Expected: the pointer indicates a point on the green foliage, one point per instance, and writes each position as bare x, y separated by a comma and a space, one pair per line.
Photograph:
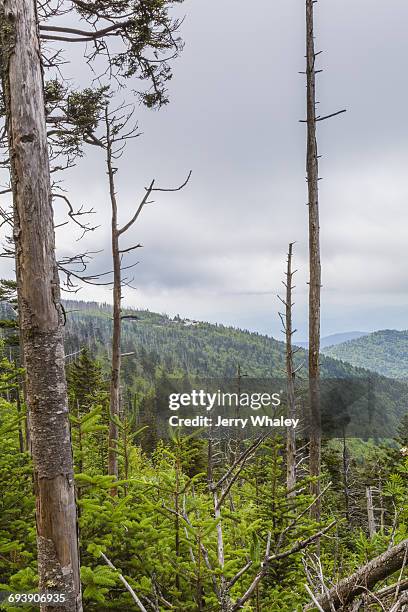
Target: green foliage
8, 312
77, 115
89, 407
97, 583
385, 352
161, 530
166, 350
8, 291
145, 41
17, 527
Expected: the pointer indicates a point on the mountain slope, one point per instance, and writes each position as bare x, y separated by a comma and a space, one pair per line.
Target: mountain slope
196, 347
155, 341
334, 339
385, 352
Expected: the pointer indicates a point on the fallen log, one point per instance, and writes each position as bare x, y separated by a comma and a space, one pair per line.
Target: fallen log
363, 580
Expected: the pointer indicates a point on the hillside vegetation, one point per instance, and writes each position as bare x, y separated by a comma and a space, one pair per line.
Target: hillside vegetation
200, 348
177, 346
334, 339
385, 352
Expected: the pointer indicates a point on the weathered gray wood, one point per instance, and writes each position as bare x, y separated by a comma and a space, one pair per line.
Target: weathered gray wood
40, 313
370, 513
363, 580
117, 297
125, 583
312, 167
290, 376
111, 139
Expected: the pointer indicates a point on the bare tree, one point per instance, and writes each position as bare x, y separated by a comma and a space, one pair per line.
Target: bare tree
40, 312
372, 530
113, 141
288, 330
146, 40
312, 169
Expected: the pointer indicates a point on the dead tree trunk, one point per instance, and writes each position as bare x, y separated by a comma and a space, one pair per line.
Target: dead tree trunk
315, 279
370, 513
363, 580
40, 312
236, 441
223, 591
113, 142
116, 336
290, 377
312, 167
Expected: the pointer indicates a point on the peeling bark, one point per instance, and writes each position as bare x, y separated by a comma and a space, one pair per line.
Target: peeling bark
40, 314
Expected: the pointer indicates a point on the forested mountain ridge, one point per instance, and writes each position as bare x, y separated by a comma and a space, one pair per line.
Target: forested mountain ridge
136, 529
385, 352
116, 493
196, 347
335, 339
155, 341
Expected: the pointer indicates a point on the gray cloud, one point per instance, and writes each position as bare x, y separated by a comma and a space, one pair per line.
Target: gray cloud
217, 249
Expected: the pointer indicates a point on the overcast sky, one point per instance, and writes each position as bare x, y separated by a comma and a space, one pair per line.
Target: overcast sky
217, 250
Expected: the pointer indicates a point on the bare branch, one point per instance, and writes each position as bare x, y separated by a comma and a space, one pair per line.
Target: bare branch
145, 200
243, 457
74, 215
311, 594
175, 188
85, 35
239, 574
365, 577
270, 559
137, 246
125, 583
332, 115
142, 204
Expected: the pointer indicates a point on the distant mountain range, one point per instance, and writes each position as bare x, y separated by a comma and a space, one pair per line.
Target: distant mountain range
335, 339
154, 341
196, 347
385, 352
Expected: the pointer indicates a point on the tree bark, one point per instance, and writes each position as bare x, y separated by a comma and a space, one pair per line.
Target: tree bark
40, 312
365, 578
312, 168
116, 337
